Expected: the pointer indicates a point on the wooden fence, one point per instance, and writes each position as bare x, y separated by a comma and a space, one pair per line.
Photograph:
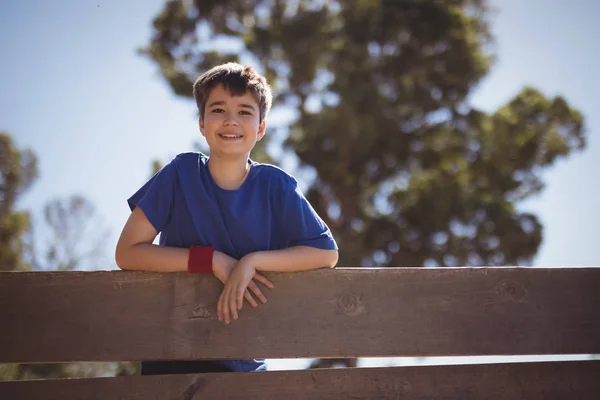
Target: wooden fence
344, 312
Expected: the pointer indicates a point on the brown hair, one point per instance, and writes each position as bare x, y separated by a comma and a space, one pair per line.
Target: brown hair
237, 79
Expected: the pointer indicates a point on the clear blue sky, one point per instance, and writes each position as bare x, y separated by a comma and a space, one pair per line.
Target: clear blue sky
74, 90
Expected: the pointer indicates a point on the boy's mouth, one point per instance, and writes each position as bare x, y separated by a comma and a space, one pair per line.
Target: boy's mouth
230, 136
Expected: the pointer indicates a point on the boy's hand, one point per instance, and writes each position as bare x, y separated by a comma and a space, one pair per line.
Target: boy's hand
236, 289
223, 265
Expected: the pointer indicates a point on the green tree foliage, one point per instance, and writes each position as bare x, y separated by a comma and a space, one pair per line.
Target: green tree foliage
18, 171
407, 171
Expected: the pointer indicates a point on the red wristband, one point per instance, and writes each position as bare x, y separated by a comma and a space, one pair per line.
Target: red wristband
200, 259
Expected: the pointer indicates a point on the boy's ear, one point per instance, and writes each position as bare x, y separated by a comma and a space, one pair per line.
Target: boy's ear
261, 129
201, 124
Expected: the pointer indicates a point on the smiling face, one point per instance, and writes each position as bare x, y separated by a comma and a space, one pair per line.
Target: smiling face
231, 124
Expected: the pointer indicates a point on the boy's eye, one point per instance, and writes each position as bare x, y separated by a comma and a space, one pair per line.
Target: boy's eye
217, 110
243, 112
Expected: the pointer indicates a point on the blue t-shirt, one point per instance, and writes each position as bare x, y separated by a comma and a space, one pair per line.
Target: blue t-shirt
268, 212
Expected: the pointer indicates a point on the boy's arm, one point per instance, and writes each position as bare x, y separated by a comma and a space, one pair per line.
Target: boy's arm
293, 259
135, 250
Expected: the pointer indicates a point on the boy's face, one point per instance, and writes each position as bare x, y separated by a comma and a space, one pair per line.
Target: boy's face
231, 124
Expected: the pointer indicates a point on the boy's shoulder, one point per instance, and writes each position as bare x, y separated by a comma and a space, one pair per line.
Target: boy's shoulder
274, 175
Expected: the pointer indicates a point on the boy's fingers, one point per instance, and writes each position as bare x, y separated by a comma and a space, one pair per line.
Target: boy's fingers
255, 289
225, 306
231, 303
250, 299
240, 297
220, 307
263, 279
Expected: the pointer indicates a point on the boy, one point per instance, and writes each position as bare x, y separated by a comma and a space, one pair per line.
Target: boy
225, 214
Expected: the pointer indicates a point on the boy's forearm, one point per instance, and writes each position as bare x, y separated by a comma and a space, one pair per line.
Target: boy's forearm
293, 259
151, 257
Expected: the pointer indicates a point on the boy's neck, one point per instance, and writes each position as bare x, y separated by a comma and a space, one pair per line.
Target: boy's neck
228, 173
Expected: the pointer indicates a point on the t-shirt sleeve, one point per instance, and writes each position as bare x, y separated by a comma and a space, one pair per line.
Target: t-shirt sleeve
155, 198
300, 224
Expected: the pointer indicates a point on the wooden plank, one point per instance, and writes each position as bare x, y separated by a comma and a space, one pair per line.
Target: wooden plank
117, 315
531, 381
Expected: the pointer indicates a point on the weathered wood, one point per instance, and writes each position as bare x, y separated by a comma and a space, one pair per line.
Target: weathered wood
530, 381
116, 315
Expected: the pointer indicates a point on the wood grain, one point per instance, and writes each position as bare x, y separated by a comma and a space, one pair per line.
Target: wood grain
530, 381
129, 316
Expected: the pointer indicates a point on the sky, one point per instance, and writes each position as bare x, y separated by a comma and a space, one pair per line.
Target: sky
96, 113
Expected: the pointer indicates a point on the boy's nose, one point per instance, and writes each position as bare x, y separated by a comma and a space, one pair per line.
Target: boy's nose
231, 119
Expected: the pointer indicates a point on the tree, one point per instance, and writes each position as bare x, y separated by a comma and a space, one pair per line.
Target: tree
18, 171
407, 172
76, 235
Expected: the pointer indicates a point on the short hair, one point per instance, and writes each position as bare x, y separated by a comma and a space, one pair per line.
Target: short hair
237, 79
